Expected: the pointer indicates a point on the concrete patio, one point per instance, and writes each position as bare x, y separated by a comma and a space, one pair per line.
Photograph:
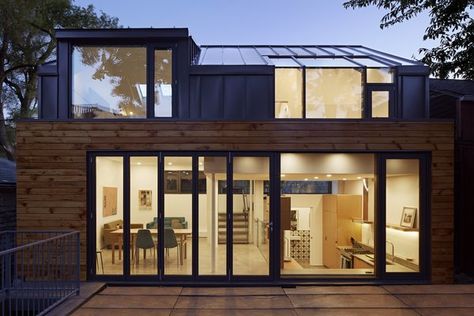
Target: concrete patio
303, 300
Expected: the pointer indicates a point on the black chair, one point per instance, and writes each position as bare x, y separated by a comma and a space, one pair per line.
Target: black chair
170, 242
144, 241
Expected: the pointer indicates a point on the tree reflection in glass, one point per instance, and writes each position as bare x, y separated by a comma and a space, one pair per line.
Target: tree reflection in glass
109, 82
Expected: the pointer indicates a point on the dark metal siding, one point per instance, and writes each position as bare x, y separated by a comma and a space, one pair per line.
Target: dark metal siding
414, 97
231, 97
48, 97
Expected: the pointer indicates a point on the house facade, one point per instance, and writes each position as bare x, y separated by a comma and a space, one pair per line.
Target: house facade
266, 164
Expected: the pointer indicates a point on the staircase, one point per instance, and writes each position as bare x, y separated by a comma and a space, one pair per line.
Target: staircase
241, 228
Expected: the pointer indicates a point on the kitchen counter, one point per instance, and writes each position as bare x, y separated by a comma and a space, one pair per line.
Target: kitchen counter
390, 267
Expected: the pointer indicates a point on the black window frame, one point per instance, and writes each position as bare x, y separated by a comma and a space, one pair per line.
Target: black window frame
150, 48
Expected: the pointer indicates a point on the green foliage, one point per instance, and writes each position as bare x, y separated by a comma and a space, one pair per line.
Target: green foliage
27, 41
451, 24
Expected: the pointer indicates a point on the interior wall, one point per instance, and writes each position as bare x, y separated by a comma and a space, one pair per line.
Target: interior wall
108, 174
402, 191
314, 201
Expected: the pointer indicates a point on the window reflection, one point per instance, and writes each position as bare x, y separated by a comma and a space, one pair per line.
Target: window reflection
333, 93
163, 83
379, 75
288, 93
380, 103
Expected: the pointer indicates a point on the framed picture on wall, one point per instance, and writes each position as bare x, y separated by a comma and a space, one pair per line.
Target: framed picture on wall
408, 217
109, 201
144, 200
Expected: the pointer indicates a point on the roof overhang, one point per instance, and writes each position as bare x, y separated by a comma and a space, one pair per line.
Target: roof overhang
121, 33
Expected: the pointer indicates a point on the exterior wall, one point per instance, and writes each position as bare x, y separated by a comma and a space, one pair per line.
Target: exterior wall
51, 161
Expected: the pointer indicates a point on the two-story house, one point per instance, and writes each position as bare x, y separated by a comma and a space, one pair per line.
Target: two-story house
255, 164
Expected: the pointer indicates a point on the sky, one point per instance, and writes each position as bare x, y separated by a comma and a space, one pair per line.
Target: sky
272, 22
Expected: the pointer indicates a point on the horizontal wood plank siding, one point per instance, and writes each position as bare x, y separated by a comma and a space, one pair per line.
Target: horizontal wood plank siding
51, 161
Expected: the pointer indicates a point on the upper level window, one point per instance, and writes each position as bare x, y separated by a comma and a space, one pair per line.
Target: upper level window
333, 93
108, 82
333, 88
288, 93
111, 82
163, 83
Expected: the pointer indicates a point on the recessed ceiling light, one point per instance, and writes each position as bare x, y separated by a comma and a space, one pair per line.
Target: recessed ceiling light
344, 179
316, 177
131, 113
305, 179
359, 178
329, 175
283, 175
170, 163
200, 163
139, 163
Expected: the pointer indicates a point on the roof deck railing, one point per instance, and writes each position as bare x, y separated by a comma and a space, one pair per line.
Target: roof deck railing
38, 270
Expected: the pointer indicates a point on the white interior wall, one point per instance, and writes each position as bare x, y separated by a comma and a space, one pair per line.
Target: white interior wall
402, 191
108, 174
315, 202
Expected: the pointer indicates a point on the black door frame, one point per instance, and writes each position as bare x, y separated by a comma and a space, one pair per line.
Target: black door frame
274, 276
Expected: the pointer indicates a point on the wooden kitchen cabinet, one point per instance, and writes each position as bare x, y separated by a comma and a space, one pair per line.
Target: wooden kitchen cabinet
361, 264
338, 227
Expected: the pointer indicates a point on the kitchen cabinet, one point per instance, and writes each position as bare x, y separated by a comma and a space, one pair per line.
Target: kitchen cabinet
338, 226
361, 264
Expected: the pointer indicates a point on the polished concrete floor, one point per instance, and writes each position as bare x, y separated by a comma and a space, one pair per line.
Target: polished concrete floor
248, 260
302, 300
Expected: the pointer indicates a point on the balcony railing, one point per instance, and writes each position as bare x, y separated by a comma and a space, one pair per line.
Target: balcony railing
38, 270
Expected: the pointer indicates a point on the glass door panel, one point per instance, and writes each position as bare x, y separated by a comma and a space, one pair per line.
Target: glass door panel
403, 213
178, 205
212, 206
143, 215
251, 216
109, 215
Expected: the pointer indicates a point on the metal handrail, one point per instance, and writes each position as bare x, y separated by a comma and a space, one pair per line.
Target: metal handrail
38, 271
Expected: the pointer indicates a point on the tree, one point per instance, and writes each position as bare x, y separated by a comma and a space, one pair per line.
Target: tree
27, 40
450, 24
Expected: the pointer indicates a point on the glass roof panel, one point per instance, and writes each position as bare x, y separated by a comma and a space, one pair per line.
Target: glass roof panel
300, 51
231, 56
282, 51
284, 62
403, 61
318, 52
251, 56
265, 51
370, 62
335, 51
213, 56
326, 62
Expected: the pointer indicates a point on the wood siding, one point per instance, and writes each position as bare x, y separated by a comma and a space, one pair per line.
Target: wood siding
51, 161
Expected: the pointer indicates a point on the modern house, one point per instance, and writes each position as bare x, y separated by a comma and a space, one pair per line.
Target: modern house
454, 99
255, 164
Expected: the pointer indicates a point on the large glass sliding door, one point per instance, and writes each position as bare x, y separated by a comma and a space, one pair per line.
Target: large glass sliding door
251, 216
167, 216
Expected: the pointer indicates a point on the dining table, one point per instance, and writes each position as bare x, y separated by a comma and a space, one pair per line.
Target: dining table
181, 235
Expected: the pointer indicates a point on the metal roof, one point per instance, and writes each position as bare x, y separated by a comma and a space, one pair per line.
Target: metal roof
299, 56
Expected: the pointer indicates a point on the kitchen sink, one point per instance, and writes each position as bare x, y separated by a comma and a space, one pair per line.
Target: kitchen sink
372, 259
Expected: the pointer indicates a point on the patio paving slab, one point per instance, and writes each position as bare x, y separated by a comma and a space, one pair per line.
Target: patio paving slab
233, 312
336, 290
356, 312
234, 302
353, 301
122, 312
142, 290
438, 300
232, 291
131, 301
430, 289
445, 311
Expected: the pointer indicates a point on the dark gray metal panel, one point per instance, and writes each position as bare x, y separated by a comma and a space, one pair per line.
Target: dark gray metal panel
194, 97
63, 79
121, 33
48, 98
260, 97
235, 91
182, 78
413, 97
212, 97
